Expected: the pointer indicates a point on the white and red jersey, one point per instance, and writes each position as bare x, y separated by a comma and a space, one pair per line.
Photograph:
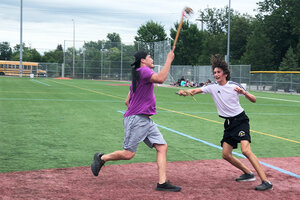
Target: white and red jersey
225, 98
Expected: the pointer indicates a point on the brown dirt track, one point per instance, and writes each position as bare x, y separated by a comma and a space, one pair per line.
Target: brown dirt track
203, 179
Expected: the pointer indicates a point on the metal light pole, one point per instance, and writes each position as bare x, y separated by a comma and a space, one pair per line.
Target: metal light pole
121, 61
21, 39
228, 39
64, 64
202, 20
73, 48
83, 65
102, 46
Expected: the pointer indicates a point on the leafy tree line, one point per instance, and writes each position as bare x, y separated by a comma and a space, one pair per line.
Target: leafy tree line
268, 41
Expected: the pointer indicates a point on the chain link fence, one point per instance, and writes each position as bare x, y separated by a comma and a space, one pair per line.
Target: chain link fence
201, 74
112, 61
53, 69
278, 81
107, 60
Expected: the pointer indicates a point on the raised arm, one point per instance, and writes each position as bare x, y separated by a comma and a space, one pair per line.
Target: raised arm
190, 92
163, 74
249, 96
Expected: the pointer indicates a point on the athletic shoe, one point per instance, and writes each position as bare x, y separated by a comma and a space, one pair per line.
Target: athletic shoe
97, 164
167, 186
265, 185
246, 177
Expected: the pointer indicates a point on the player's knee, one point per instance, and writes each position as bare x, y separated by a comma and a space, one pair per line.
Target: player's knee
246, 152
226, 156
128, 155
165, 147
161, 147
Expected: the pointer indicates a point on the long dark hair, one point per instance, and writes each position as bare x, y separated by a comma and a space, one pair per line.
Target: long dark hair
218, 61
137, 63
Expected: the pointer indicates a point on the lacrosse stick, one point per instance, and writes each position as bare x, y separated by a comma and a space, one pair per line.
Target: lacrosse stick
186, 11
187, 93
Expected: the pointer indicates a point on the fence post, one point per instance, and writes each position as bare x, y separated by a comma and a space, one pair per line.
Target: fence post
121, 74
64, 64
275, 82
83, 65
102, 46
291, 82
240, 74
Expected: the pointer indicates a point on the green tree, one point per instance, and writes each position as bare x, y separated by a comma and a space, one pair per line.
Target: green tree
212, 44
298, 52
189, 44
259, 51
151, 32
216, 20
289, 62
281, 24
215, 39
147, 34
240, 30
5, 51
114, 40
29, 54
55, 56
105, 56
113, 61
94, 54
113, 37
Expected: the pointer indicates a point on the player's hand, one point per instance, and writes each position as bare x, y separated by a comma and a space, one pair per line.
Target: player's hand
170, 56
180, 93
184, 93
240, 90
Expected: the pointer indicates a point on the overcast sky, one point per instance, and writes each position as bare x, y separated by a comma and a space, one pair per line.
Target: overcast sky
47, 23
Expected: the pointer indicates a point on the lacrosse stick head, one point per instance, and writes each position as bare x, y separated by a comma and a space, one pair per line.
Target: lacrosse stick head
187, 11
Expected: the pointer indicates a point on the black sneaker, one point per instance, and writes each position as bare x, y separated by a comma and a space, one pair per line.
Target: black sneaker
97, 164
246, 177
265, 185
167, 186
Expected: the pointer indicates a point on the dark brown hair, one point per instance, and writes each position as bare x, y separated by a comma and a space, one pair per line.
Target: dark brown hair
217, 61
137, 63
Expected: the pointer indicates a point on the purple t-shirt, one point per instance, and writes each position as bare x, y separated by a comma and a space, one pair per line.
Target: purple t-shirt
142, 101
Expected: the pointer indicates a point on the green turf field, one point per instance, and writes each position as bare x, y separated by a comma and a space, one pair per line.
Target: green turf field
49, 123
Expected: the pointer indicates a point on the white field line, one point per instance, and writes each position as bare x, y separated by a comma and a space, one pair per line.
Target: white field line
40, 82
295, 101
72, 100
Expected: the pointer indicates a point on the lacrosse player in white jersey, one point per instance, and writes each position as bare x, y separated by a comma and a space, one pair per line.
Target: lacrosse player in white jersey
225, 94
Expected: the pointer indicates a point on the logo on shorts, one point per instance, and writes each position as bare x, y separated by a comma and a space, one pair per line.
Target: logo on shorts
241, 134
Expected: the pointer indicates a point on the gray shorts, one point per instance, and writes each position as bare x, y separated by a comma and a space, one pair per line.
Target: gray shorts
140, 128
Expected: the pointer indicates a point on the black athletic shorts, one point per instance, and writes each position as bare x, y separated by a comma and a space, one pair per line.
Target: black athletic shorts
237, 128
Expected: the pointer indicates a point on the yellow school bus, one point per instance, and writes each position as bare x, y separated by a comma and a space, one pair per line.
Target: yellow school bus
12, 68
